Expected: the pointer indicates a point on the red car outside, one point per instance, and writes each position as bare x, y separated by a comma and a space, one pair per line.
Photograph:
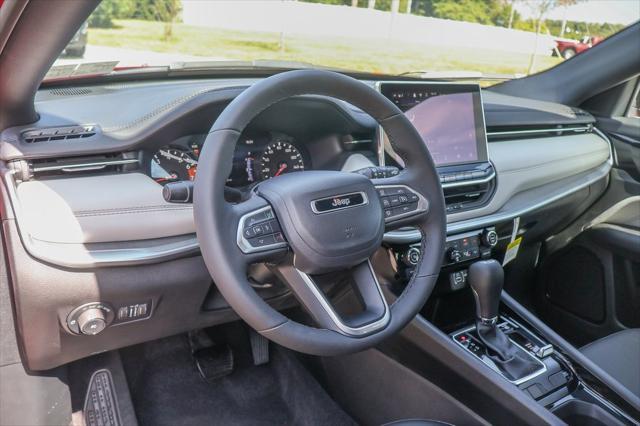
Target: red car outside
569, 48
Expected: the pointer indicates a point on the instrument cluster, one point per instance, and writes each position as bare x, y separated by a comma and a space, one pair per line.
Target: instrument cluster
257, 157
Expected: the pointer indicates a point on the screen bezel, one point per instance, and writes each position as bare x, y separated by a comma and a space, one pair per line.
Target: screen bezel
482, 145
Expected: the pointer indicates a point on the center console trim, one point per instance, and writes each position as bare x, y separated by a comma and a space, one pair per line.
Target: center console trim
492, 366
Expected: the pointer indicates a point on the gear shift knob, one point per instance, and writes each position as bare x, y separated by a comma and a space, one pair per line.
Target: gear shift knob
486, 278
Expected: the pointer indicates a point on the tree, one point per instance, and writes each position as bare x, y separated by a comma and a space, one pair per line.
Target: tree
167, 11
540, 9
488, 12
104, 14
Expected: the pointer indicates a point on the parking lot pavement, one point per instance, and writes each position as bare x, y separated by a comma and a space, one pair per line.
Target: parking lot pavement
129, 57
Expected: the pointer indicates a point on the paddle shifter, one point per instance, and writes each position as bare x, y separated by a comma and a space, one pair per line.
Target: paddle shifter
486, 278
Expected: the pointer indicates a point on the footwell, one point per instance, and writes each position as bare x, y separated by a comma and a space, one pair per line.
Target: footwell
167, 389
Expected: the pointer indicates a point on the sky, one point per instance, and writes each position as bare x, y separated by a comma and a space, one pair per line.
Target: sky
601, 11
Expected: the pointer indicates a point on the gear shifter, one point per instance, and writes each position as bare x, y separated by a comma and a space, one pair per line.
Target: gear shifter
486, 278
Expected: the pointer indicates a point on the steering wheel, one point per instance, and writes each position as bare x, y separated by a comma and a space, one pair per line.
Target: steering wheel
318, 222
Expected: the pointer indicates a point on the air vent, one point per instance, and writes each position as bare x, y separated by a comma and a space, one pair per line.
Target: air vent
117, 162
71, 91
60, 133
461, 198
528, 132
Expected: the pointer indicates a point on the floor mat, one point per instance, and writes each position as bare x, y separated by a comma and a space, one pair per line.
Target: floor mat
167, 390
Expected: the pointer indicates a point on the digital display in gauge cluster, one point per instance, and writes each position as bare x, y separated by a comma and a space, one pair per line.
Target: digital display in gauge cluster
256, 158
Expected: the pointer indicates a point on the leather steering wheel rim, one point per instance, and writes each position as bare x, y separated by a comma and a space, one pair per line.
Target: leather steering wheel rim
217, 220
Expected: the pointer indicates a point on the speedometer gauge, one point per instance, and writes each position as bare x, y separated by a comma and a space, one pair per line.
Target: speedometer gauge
280, 157
173, 164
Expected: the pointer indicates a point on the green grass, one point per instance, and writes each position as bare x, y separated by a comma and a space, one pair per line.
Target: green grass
369, 55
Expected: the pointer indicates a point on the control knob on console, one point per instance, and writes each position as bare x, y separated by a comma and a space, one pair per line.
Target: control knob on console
92, 321
489, 237
454, 255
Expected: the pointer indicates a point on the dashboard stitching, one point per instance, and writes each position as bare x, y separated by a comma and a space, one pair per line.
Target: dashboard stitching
119, 212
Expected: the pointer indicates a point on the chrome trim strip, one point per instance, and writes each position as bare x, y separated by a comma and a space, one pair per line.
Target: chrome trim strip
84, 166
606, 403
365, 201
540, 131
489, 321
244, 244
612, 154
469, 182
335, 318
492, 366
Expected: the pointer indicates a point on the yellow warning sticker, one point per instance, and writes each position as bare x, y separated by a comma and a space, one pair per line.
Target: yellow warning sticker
512, 250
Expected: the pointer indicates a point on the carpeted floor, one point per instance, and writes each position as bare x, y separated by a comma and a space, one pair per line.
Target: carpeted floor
167, 390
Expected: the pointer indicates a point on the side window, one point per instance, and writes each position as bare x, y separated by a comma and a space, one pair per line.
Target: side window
634, 107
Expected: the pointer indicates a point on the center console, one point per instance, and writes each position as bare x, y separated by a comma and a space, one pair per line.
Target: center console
502, 342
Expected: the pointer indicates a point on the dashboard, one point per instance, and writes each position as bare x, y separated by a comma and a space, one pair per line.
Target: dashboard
258, 156
86, 186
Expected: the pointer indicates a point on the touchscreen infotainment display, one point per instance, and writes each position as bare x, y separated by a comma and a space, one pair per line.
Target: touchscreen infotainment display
448, 116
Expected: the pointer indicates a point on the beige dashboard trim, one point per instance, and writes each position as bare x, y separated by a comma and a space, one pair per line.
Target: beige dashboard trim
88, 255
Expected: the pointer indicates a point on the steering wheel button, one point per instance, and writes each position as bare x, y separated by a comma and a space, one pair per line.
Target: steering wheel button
267, 228
278, 237
399, 191
403, 199
383, 192
275, 226
262, 241
388, 213
413, 198
394, 200
406, 208
259, 217
385, 202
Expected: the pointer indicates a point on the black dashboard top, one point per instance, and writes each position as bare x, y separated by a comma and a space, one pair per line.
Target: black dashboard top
153, 114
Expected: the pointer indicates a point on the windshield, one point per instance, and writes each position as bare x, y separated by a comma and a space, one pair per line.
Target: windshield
473, 39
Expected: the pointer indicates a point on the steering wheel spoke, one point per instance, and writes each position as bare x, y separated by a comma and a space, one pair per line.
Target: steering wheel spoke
374, 316
259, 235
402, 205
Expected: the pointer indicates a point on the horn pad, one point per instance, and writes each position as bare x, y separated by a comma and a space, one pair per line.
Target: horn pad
332, 220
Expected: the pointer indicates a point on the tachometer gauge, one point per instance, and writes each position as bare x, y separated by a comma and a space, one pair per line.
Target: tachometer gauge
173, 164
280, 157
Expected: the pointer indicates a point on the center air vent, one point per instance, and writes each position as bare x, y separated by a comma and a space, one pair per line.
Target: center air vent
468, 197
60, 133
